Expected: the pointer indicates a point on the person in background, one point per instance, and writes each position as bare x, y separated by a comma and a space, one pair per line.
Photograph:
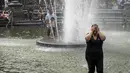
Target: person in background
94, 52
41, 13
30, 13
53, 25
48, 21
25, 14
122, 4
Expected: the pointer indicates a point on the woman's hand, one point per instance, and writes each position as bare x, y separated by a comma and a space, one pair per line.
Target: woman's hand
89, 35
101, 35
92, 29
98, 30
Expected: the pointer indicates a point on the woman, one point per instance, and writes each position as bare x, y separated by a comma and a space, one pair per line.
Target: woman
94, 51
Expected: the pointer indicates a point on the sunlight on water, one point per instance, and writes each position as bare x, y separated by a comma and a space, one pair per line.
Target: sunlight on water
16, 42
52, 49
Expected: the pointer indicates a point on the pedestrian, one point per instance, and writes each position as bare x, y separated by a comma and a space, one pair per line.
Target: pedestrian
53, 25
30, 11
41, 13
25, 14
94, 51
48, 21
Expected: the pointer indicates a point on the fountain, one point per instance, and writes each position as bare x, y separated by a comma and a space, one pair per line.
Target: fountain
76, 19
6, 3
15, 7
15, 3
78, 16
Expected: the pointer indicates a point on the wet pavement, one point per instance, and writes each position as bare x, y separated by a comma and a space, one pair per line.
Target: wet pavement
20, 54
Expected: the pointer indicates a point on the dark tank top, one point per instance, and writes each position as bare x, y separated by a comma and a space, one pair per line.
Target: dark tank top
94, 48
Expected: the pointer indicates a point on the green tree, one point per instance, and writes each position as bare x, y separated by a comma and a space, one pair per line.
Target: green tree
113, 1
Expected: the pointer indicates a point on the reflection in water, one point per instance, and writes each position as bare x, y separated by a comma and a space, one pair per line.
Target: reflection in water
22, 32
19, 54
16, 42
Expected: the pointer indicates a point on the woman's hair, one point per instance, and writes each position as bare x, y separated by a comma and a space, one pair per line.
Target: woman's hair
94, 25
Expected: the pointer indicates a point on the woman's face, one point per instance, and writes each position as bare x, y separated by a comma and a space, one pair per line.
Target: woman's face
95, 29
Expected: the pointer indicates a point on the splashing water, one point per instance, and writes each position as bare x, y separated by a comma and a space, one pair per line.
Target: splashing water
77, 19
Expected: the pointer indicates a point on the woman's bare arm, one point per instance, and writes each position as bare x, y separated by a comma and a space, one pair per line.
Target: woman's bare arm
88, 36
102, 36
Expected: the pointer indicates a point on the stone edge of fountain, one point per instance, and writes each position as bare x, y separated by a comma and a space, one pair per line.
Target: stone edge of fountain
59, 45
